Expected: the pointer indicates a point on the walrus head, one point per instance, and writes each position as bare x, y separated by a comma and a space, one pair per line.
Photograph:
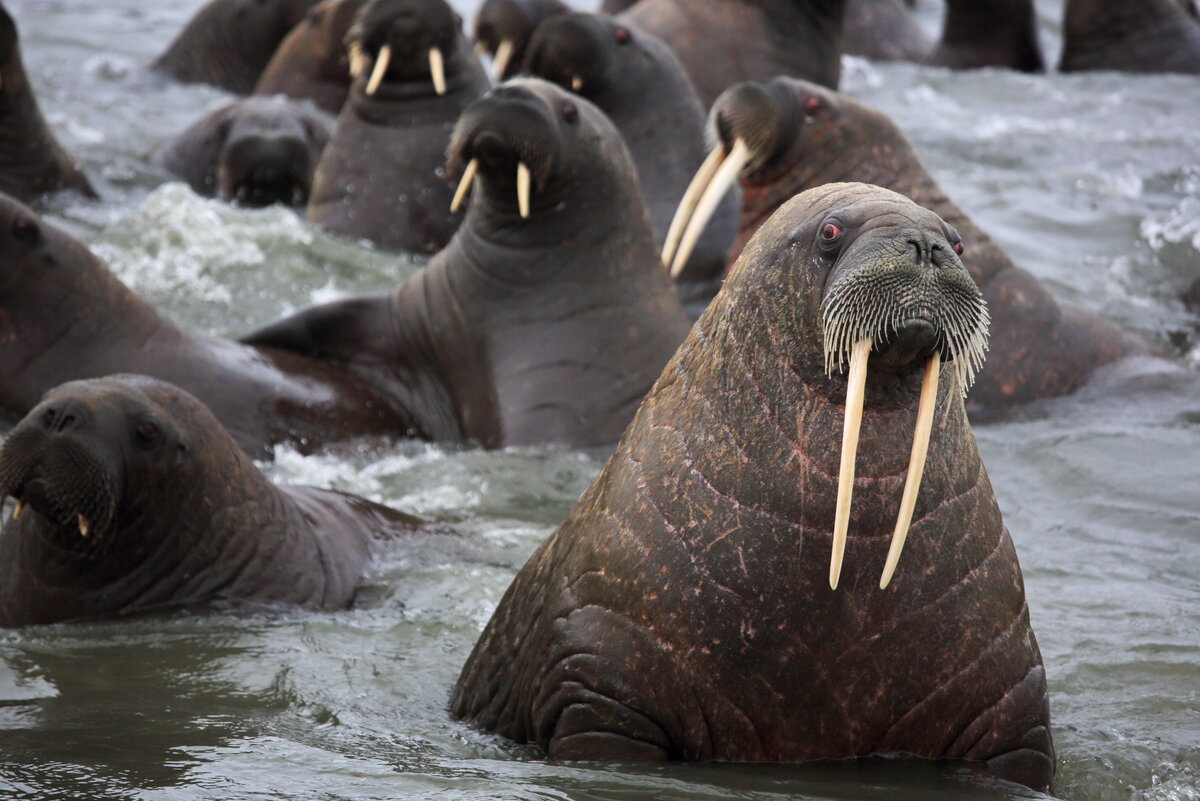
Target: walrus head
580, 52
532, 144
404, 47
503, 29
269, 153
886, 295
83, 462
765, 133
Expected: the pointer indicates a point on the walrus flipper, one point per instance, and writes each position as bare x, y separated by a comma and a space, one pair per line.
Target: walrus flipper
343, 331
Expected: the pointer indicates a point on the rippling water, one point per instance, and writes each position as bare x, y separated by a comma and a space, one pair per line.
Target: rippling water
1092, 182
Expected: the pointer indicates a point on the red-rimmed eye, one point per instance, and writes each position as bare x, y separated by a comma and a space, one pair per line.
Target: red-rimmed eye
813, 105
830, 231
622, 35
570, 111
24, 229
958, 248
147, 432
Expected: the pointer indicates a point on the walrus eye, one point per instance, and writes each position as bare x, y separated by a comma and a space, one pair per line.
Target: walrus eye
147, 432
813, 105
570, 111
958, 247
24, 229
622, 36
830, 231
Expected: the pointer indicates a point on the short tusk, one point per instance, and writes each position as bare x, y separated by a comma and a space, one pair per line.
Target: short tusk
500, 61
84, 526
916, 466
20, 507
381, 66
724, 178
576, 83
523, 181
856, 386
357, 61
688, 204
437, 68
480, 48
464, 185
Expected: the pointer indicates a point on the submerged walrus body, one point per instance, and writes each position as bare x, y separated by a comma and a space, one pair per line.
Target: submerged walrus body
130, 496
784, 136
684, 609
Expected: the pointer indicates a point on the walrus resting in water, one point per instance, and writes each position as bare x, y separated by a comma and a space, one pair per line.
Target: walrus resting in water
131, 496
548, 315
684, 609
32, 162
784, 136
312, 62
256, 152
1131, 36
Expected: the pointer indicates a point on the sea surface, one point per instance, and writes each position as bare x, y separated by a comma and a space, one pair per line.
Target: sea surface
1090, 181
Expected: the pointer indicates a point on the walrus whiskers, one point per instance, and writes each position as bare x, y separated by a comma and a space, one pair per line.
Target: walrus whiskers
437, 68
464, 185
523, 186
687, 205
503, 55
381, 66
856, 387
723, 179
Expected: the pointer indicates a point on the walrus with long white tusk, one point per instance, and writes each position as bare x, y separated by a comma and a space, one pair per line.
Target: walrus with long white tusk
312, 62
684, 610
381, 177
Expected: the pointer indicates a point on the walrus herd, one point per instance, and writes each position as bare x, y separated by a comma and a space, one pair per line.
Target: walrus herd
793, 553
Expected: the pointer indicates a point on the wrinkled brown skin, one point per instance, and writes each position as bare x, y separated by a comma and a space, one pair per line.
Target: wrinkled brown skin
1128, 36
256, 143
1039, 348
989, 33
195, 520
521, 331
32, 163
64, 316
683, 609
514, 21
722, 42
228, 43
311, 63
883, 30
637, 81
382, 176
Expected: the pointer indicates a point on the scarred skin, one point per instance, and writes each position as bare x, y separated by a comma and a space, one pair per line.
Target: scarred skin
229, 42
513, 21
311, 62
636, 80
1145, 36
259, 151
1039, 348
683, 609
520, 331
722, 42
176, 513
382, 176
32, 162
64, 316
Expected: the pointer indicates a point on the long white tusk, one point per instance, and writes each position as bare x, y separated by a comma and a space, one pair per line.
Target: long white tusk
20, 507
523, 189
381, 65
916, 466
688, 204
500, 61
724, 178
856, 386
437, 68
464, 185
84, 526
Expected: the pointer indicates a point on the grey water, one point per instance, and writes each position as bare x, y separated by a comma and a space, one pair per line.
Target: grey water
1092, 182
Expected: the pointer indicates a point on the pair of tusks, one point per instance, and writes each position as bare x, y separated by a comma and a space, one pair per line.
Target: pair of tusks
84, 525
437, 68
855, 391
703, 195
524, 187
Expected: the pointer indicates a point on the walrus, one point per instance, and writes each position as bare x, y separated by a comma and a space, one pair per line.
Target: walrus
64, 316
312, 62
229, 42
695, 604
784, 136
636, 80
722, 42
503, 28
1145, 36
32, 163
548, 315
381, 176
256, 152
883, 30
131, 496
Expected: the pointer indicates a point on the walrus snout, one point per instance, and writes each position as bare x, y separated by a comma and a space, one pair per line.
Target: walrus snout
263, 169
404, 41
570, 50
504, 27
